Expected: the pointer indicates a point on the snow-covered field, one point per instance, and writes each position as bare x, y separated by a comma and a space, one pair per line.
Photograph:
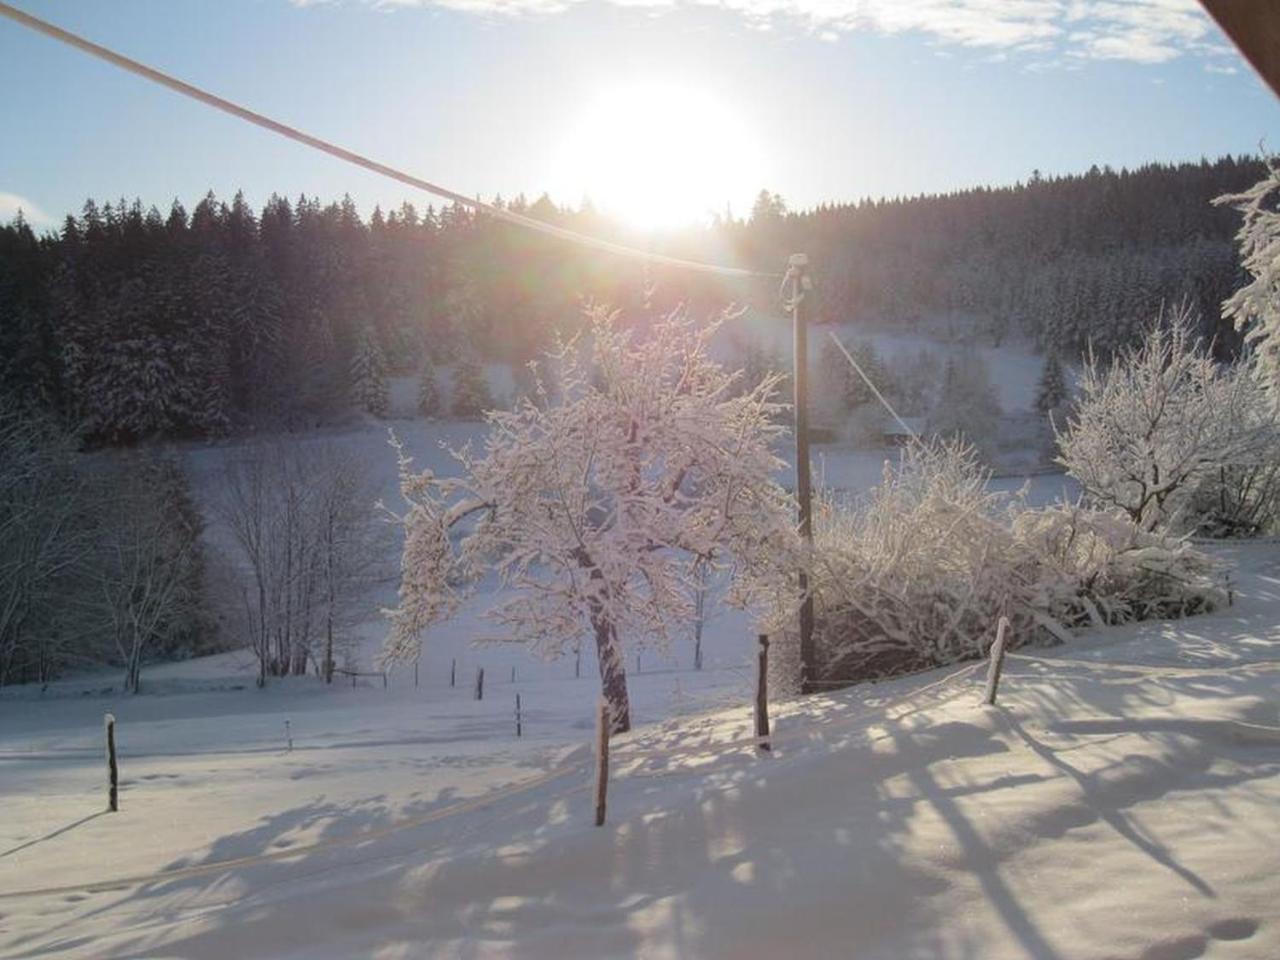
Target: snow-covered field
1122, 801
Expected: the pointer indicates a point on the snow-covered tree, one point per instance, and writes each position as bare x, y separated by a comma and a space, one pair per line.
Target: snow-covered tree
471, 396
1152, 425
369, 375
1255, 307
967, 405
835, 382
1241, 498
598, 510
1051, 390
913, 382
840, 388
428, 391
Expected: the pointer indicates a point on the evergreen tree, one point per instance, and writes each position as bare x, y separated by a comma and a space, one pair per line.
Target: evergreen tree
428, 392
864, 352
369, 375
471, 396
1051, 392
236, 316
835, 381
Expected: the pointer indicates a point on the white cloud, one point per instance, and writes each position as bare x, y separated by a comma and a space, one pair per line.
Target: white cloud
11, 203
1138, 31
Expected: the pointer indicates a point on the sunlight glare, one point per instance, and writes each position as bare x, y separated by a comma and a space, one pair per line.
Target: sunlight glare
660, 155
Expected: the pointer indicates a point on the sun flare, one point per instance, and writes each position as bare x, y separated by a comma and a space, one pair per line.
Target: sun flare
660, 155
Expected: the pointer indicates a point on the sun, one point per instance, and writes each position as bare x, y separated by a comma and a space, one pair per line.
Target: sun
659, 155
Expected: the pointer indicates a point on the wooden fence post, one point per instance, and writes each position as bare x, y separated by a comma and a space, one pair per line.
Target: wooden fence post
415, 673
453, 673
519, 727
996, 664
577, 662
480, 683
762, 691
288, 737
602, 759
113, 772
513, 674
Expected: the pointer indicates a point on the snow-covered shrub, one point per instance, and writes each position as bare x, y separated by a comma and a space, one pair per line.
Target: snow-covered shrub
917, 573
599, 511
913, 575
1152, 426
1097, 568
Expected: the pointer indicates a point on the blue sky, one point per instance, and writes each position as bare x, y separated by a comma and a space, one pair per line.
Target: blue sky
819, 100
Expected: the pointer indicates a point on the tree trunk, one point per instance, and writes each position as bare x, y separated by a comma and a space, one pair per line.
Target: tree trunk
613, 675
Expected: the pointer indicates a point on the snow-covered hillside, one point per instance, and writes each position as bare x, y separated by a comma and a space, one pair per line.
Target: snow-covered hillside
1122, 801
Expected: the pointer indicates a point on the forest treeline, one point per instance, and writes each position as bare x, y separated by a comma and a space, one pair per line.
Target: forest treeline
130, 323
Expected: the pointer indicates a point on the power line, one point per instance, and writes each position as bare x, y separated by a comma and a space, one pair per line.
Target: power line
350, 156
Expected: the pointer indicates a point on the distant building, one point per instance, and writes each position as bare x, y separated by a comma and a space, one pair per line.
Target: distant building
895, 434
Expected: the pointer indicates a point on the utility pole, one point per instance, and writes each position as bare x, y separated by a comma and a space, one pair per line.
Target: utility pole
800, 285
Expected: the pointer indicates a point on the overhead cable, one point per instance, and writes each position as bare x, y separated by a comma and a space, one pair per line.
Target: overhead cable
350, 156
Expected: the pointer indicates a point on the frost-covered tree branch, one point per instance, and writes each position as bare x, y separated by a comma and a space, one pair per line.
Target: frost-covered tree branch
1255, 307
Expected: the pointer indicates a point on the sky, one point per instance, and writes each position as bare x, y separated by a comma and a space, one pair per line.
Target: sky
657, 110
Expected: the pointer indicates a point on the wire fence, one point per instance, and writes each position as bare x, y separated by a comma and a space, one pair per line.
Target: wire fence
631, 756
626, 753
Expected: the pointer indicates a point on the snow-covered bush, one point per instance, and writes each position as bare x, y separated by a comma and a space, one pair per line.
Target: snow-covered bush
917, 573
1096, 568
913, 575
1152, 426
600, 510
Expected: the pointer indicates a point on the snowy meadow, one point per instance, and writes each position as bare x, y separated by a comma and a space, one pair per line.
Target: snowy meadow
397, 814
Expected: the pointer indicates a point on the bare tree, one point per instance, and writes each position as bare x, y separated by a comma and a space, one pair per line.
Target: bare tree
303, 521
145, 571
45, 537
